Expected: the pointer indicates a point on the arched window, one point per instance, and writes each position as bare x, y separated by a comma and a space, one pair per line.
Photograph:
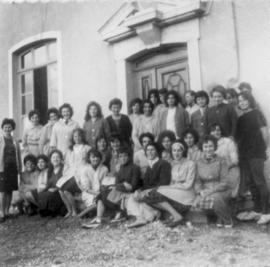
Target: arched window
37, 80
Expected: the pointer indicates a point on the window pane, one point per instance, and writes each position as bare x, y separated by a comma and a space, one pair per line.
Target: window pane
27, 103
23, 84
26, 60
28, 82
41, 55
23, 105
52, 85
52, 51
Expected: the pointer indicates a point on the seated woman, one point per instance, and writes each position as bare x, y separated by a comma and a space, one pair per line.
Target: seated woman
157, 173
165, 140
139, 157
75, 159
127, 181
115, 144
191, 138
103, 147
147, 123
227, 149
177, 197
212, 184
49, 200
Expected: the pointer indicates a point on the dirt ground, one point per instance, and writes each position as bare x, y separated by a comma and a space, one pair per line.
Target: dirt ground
35, 241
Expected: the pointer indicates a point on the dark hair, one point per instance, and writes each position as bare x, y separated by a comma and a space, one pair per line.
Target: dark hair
202, 94
193, 132
155, 93
147, 134
115, 136
99, 138
214, 126
30, 157
134, 102
52, 110
115, 101
243, 85
87, 116
50, 168
147, 101
43, 157
209, 138
68, 106
232, 92
32, 113
80, 131
191, 92
10, 122
182, 142
249, 97
93, 152
166, 133
176, 97
220, 89
125, 150
163, 91
156, 146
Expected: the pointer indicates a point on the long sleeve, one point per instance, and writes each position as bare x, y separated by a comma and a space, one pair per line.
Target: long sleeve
53, 141
198, 182
233, 153
136, 133
189, 179
165, 174
223, 174
233, 118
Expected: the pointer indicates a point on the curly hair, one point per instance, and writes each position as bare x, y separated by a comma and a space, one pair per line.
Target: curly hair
32, 113
134, 102
80, 131
10, 122
219, 89
87, 116
68, 106
193, 132
183, 144
176, 96
202, 94
115, 101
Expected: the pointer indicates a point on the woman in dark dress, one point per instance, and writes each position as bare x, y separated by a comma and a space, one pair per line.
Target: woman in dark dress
49, 200
252, 139
10, 166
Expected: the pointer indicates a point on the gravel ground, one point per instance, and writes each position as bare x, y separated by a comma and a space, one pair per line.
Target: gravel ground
57, 242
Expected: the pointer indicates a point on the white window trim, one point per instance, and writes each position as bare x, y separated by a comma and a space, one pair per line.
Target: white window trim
11, 68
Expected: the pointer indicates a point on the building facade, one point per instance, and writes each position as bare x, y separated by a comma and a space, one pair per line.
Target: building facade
76, 52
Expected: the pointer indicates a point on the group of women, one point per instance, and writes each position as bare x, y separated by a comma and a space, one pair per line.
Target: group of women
166, 157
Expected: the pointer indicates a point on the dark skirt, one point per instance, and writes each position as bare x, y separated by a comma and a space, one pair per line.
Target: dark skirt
9, 178
104, 197
50, 203
154, 197
71, 186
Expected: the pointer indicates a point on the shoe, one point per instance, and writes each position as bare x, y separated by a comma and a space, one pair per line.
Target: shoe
265, 218
91, 225
219, 223
228, 225
173, 224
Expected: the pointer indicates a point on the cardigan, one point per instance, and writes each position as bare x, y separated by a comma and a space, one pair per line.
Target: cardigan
181, 120
198, 122
124, 129
159, 174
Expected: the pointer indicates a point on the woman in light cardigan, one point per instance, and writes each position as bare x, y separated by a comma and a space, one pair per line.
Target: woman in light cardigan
175, 117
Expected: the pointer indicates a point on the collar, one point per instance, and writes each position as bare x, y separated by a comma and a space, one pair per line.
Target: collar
152, 162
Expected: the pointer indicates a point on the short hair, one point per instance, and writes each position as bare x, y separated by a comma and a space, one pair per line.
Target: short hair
80, 131
100, 137
147, 134
249, 97
243, 85
183, 143
176, 97
10, 122
193, 132
115, 136
93, 152
32, 113
134, 102
220, 89
156, 146
166, 133
30, 157
163, 91
155, 93
191, 92
68, 106
115, 101
209, 138
232, 92
43, 157
147, 101
213, 127
57, 151
125, 150
202, 94
53, 110
87, 116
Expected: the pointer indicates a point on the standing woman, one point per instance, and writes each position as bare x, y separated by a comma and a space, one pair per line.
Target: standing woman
147, 124
232, 99
31, 136
63, 129
94, 125
222, 113
165, 140
135, 110
119, 123
252, 138
175, 117
45, 138
49, 200
10, 166
153, 96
